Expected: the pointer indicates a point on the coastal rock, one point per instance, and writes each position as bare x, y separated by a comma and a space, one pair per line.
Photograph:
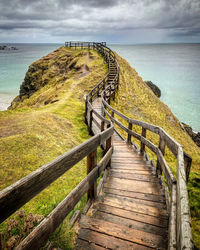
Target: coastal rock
154, 88
195, 136
5, 47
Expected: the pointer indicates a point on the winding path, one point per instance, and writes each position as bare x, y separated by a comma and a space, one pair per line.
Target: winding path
130, 211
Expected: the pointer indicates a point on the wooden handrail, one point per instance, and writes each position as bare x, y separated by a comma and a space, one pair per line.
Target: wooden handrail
178, 187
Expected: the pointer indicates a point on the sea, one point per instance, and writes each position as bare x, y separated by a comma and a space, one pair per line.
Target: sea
174, 68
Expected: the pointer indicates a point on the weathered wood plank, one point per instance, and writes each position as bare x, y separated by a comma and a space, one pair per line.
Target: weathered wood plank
108, 241
131, 176
87, 245
136, 200
134, 205
141, 196
134, 171
124, 233
132, 215
142, 226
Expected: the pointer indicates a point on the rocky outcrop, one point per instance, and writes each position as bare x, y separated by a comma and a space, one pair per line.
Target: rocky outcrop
154, 88
195, 136
4, 47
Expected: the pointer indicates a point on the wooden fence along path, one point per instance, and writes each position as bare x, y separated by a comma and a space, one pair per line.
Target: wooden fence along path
132, 207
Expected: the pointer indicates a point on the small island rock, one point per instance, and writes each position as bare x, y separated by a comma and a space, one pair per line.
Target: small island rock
154, 88
195, 136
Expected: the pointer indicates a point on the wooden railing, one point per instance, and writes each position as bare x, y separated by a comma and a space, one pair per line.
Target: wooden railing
179, 231
16, 195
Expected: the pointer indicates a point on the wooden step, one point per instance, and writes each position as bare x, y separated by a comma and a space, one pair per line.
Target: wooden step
134, 206
105, 241
130, 194
132, 176
142, 226
159, 205
132, 215
122, 232
135, 186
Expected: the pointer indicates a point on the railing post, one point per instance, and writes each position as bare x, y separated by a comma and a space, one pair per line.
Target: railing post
114, 93
187, 164
102, 126
130, 125
162, 149
109, 95
86, 110
142, 149
104, 85
90, 123
108, 145
91, 164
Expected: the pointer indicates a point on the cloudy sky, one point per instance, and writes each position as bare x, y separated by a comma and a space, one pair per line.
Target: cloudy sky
114, 21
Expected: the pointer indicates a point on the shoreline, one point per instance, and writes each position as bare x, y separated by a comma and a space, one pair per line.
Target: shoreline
5, 100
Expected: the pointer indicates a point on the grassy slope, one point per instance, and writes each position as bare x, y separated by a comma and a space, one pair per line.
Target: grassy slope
137, 101
34, 134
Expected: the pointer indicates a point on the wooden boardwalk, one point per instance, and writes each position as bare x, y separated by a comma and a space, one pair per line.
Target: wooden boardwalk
130, 212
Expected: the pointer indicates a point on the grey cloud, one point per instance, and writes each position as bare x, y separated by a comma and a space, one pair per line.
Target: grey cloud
59, 18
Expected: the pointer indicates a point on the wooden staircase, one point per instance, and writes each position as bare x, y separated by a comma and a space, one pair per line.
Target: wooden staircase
130, 212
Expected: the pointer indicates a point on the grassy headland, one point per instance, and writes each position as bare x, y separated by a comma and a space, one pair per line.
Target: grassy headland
50, 122
47, 120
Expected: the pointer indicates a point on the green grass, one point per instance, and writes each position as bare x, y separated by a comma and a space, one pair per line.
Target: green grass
34, 133
137, 101
38, 129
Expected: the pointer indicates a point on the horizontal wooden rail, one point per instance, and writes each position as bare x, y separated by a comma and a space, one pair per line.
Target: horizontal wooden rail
16, 195
41, 233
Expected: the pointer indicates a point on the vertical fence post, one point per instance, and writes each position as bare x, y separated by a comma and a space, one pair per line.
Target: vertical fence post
102, 126
86, 110
114, 93
130, 125
117, 79
90, 123
187, 164
108, 145
112, 114
104, 84
109, 95
162, 149
91, 164
142, 149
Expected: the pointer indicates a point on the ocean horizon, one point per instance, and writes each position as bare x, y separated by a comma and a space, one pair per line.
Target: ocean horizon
173, 67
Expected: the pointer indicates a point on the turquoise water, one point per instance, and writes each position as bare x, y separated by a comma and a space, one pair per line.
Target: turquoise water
175, 69
15, 63
172, 67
